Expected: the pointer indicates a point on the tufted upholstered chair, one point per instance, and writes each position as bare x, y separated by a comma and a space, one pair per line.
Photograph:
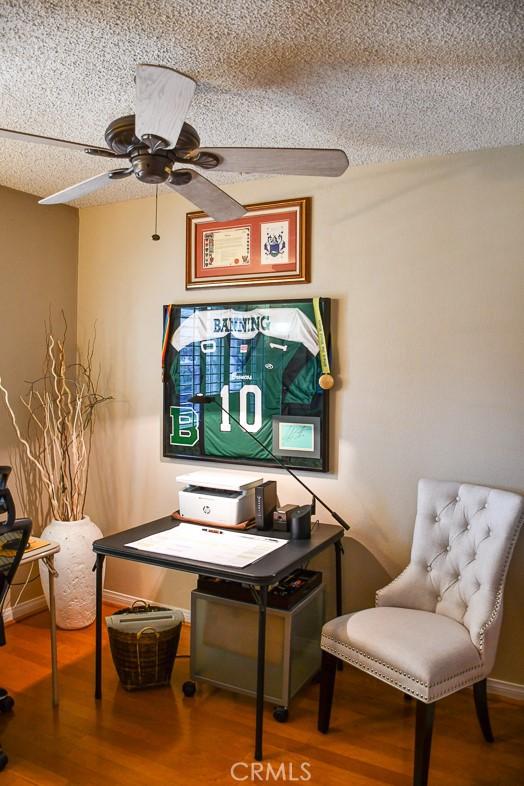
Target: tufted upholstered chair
435, 628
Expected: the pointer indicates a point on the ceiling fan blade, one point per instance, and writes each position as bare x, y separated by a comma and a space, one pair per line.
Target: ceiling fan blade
279, 161
85, 187
163, 97
205, 195
21, 136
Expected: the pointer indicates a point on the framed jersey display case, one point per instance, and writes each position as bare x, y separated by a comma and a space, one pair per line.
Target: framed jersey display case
258, 363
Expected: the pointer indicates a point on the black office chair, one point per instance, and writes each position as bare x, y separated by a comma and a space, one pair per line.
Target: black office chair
14, 536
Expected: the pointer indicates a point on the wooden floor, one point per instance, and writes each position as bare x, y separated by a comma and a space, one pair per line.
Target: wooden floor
159, 737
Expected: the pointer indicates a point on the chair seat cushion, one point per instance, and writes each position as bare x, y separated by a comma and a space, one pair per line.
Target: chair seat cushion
424, 654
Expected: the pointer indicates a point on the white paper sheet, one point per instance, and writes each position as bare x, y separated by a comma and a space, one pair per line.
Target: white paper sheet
207, 544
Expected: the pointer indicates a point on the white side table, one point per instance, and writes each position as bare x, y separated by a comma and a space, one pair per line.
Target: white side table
47, 555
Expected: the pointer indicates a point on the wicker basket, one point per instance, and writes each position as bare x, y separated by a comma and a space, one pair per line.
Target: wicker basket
144, 654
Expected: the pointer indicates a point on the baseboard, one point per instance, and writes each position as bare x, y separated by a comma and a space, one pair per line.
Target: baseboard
24, 609
35, 605
508, 690
119, 599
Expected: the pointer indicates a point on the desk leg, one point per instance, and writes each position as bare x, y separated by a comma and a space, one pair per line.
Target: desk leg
51, 573
261, 664
98, 655
338, 585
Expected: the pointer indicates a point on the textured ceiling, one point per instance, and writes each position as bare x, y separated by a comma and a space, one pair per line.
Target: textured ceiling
382, 80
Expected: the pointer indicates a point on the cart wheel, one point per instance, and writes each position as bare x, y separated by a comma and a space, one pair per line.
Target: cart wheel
3, 760
281, 714
6, 703
189, 689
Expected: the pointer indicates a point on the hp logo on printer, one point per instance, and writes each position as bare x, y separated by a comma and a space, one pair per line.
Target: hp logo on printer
206, 509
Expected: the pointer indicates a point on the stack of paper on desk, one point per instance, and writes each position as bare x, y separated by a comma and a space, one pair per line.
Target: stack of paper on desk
205, 544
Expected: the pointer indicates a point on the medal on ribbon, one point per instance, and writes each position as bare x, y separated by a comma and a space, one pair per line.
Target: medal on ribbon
326, 380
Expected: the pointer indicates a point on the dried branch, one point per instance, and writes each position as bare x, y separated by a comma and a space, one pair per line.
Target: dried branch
61, 408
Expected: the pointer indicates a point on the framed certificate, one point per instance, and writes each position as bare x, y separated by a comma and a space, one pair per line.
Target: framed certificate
269, 245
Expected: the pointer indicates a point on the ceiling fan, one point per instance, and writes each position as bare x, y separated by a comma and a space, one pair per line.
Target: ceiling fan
159, 146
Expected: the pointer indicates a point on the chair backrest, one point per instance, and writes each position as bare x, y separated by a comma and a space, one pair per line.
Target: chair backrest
462, 544
14, 535
4, 476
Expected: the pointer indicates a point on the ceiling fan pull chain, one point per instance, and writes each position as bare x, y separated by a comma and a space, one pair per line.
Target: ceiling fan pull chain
156, 236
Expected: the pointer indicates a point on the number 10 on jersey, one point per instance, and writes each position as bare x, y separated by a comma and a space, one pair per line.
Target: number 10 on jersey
250, 398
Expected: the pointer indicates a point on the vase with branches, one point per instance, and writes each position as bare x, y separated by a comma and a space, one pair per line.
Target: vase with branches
55, 432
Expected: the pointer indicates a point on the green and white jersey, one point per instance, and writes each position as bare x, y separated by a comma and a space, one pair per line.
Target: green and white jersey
257, 363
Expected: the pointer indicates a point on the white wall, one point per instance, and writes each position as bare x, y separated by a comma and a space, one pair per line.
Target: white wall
424, 260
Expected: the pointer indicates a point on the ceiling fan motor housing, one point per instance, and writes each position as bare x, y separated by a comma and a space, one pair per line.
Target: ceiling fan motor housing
120, 135
151, 167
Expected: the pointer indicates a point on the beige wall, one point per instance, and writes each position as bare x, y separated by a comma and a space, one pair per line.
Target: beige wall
38, 276
425, 262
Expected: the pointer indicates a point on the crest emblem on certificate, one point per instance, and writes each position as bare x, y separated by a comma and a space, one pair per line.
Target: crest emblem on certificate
274, 237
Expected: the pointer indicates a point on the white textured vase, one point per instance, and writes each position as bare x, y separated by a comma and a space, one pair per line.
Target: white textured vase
75, 582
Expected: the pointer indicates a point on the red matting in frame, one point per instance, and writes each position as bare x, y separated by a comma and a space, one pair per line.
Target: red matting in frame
293, 214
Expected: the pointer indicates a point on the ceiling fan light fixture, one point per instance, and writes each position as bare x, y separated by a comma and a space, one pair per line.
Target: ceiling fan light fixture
151, 168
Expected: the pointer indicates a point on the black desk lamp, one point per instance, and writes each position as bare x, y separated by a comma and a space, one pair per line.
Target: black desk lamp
200, 398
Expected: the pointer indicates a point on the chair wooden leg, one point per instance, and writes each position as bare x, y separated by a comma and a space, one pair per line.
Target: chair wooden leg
423, 734
3, 758
407, 697
327, 684
481, 706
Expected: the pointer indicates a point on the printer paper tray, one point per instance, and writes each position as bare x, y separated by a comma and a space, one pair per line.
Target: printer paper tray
243, 524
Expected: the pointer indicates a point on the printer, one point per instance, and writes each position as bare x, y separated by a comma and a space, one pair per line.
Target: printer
218, 496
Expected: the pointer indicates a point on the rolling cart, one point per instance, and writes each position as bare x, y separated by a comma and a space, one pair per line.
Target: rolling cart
224, 641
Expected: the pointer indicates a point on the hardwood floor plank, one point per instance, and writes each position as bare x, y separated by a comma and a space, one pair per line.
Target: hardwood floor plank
159, 736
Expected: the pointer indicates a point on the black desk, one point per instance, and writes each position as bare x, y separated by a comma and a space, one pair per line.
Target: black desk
260, 575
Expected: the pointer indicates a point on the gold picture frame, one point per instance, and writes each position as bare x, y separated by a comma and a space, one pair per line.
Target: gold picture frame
270, 244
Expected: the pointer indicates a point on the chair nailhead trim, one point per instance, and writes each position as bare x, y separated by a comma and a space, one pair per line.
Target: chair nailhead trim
394, 581
375, 673
500, 590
